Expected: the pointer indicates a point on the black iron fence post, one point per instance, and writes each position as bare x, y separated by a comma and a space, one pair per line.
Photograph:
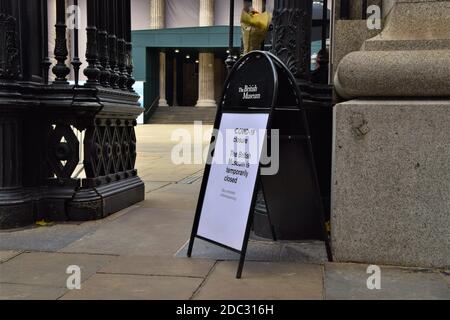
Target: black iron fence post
112, 38
76, 63
69, 129
345, 10
129, 46
61, 70
292, 36
46, 63
102, 43
121, 45
364, 10
91, 72
230, 59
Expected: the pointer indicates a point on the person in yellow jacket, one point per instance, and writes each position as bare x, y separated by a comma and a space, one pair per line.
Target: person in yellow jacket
254, 27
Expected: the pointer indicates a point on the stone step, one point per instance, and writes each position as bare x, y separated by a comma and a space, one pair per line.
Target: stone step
183, 115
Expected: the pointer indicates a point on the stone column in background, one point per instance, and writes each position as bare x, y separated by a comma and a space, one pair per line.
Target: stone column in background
162, 80
206, 13
206, 81
51, 12
258, 5
157, 21
157, 14
206, 96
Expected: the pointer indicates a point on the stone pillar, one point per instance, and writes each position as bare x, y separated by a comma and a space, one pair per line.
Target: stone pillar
157, 21
206, 96
51, 12
157, 14
258, 5
162, 80
206, 81
391, 177
206, 13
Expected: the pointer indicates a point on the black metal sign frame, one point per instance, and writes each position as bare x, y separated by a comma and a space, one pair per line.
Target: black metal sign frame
270, 110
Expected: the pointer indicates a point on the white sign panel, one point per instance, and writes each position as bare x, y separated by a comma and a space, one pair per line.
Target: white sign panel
232, 179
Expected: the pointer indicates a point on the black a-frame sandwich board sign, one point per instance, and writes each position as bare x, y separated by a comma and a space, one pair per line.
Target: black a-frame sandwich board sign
258, 90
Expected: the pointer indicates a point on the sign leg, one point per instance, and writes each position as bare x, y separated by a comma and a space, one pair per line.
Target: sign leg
241, 266
191, 247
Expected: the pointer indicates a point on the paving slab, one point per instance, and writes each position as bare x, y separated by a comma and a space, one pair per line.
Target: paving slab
159, 266
45, 238
174, 196
132, 287
312, 252
155, 146
151, 186
263, 281
49, 269
258, 250
144, 232
446, 276
170, 174
349, 282
8, 255
26, 292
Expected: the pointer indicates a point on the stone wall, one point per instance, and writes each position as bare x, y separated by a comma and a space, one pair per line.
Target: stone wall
391, 168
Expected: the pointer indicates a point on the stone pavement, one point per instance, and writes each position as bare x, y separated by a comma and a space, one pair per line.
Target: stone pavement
139, 253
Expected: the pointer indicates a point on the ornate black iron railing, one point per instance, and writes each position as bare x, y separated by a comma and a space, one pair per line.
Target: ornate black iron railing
67, 152
291, 42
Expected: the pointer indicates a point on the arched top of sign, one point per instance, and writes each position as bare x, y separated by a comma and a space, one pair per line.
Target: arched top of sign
252, 84
288, 91
259, 81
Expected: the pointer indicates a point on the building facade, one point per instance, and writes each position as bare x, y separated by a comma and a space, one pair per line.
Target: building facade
181, 48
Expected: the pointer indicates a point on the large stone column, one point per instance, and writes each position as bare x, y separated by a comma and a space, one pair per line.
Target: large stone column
51, 13
206, 81
206, 13
157, 14
391, 173
258, 5
206, 96
157, 21
162, 80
